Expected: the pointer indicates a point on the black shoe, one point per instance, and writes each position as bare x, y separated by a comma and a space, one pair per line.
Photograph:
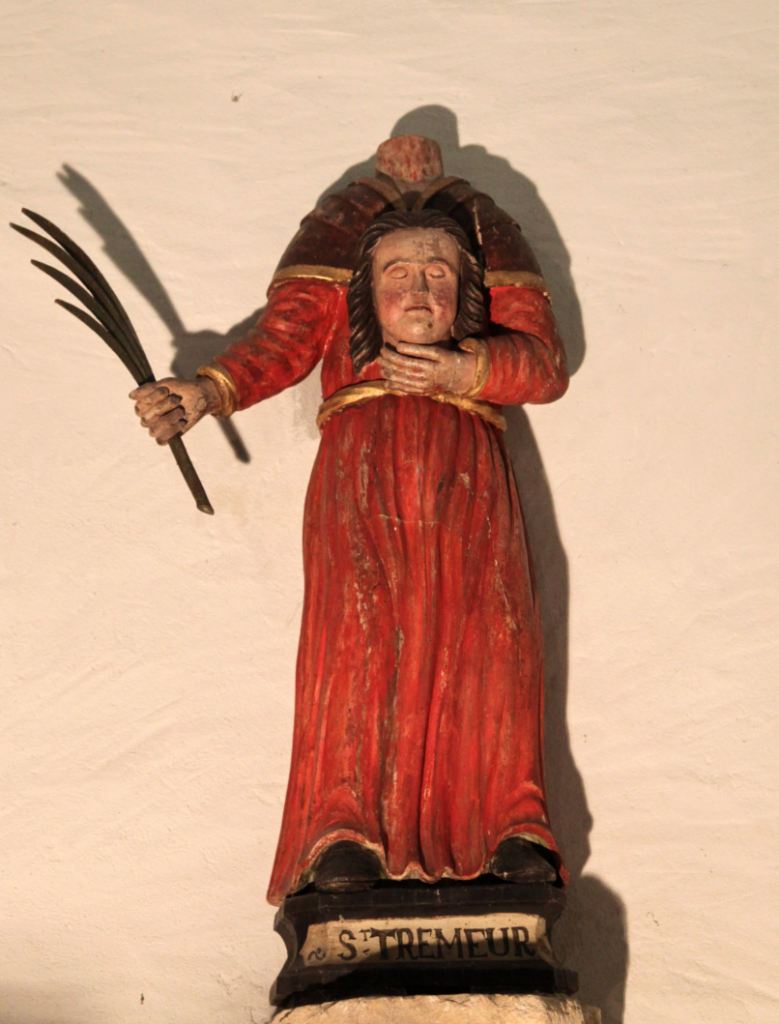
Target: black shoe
346, 867
517, 860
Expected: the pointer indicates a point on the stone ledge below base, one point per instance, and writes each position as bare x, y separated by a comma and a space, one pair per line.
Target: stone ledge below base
454, 1009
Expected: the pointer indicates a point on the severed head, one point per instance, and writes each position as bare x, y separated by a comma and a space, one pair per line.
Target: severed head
415, 280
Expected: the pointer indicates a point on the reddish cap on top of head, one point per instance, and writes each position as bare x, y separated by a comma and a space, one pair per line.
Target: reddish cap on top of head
409, 158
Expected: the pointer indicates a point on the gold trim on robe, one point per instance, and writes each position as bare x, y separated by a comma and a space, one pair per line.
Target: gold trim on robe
336, 274
356, 394
225, 385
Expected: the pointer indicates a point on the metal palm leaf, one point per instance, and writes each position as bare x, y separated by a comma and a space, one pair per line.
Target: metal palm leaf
107, 318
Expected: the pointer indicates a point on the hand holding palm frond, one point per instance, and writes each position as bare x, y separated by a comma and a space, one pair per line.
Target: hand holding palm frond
108, 320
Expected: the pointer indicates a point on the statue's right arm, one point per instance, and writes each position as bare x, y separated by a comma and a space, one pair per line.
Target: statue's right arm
281, 349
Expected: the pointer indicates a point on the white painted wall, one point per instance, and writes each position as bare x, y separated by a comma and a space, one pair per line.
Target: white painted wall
149, 650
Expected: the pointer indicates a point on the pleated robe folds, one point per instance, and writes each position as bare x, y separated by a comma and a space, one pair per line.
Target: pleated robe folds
419, 703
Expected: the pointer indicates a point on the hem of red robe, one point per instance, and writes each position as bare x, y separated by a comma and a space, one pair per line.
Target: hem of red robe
529, 830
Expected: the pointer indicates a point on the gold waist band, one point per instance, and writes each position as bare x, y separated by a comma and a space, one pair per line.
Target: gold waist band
357, 394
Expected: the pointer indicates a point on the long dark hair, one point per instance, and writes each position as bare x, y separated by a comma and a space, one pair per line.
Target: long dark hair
366, 339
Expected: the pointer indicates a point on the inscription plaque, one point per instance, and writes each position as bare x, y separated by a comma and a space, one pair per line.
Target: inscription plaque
421, 939
451, 938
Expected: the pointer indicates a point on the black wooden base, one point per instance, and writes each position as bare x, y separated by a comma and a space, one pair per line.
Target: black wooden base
408, 938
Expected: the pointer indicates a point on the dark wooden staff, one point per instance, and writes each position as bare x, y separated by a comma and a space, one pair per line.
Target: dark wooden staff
109, 321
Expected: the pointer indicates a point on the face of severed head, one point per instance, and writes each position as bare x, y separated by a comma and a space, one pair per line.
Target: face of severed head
416, 285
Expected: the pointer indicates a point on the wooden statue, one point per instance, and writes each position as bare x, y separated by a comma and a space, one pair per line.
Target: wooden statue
418, 724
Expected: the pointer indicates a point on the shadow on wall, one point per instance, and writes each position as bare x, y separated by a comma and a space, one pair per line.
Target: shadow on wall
592, 935
191, 349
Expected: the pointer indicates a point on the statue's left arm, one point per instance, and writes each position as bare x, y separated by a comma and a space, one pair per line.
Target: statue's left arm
522, 358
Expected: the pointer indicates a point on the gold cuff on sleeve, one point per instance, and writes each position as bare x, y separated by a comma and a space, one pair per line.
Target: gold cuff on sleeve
482, 353
225, 385
517, 279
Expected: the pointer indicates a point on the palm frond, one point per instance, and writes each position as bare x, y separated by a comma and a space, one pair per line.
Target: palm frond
108, 320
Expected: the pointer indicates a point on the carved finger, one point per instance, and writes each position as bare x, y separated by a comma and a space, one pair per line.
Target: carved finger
143, 390
159, 414
166, 428
149, 398
163, 405
168, 403
395, 360
175, 415
413, 366
431, 353
157, 430
394, 373
410, 354
412, 377
168, 422
417, 379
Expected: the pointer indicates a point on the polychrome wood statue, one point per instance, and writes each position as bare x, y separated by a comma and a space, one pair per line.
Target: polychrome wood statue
418, 724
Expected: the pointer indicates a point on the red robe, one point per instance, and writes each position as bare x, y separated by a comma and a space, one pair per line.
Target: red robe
419, 698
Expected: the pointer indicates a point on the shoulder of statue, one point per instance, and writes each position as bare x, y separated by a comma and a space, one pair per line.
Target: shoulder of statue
325, 245
495, 235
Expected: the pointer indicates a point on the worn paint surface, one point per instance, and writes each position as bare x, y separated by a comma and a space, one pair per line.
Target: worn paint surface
418, 715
